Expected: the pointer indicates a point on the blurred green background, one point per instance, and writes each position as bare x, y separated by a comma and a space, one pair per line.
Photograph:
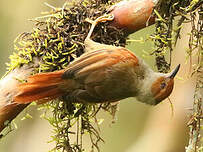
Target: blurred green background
139, 128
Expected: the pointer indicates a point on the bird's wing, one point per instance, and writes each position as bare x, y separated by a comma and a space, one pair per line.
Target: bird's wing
98, 60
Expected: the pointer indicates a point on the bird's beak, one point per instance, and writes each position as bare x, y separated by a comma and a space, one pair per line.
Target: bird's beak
174, 72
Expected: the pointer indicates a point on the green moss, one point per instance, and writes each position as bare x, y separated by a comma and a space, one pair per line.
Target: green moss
171, 15
58, 36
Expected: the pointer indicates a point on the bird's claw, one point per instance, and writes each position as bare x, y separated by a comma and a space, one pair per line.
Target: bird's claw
89, 20
104, 18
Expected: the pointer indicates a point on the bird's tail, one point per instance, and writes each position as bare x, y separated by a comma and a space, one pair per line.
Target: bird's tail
40, 87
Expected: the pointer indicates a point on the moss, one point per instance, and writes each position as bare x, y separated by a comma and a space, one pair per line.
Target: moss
58, 36
171, 15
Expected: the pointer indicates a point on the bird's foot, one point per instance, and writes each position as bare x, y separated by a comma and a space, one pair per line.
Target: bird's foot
89, 20
104, 18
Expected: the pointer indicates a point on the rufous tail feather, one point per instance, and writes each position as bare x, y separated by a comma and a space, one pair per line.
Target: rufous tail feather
40, 86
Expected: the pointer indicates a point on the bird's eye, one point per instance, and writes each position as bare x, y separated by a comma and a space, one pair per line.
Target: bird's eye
163, 85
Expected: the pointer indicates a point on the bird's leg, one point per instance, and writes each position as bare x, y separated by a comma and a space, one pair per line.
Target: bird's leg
89, 43
104, 18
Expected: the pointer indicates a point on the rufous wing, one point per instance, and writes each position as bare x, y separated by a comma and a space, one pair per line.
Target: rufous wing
97, 70
98, 60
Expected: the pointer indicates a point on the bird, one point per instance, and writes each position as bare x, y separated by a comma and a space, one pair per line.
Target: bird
104, 73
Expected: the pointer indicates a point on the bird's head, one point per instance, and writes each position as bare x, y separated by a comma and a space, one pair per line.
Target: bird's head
162, 87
